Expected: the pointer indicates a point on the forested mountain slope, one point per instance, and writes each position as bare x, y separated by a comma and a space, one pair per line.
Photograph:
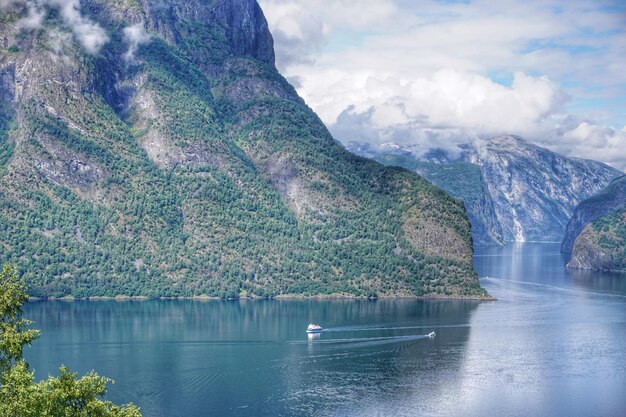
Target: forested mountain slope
596, 234
152, 148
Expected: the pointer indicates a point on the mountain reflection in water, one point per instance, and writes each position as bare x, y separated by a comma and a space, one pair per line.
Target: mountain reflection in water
551, 345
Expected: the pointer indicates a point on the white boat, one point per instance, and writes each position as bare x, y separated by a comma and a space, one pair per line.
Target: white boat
432, 335
314, 328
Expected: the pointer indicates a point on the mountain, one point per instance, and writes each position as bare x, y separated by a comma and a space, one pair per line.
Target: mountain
612, 198
535, 190
524, 192
151, 148
462, 180
596, 234
602, 244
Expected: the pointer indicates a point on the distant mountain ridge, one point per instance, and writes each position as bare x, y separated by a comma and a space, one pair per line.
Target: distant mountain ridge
529, 192
170, 158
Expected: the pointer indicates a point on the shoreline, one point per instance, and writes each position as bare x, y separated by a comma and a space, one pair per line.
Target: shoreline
319, 297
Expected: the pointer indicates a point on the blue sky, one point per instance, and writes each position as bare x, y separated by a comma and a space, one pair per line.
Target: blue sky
439, 73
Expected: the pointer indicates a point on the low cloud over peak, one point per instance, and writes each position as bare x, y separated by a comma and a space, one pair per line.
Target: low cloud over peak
134, 36
431, 73
89, 34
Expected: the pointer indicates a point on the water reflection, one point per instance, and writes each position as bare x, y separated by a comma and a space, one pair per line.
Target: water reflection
610, 282
254, 358
543, 263
551, 345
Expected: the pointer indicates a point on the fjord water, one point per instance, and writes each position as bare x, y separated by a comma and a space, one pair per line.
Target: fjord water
553, 344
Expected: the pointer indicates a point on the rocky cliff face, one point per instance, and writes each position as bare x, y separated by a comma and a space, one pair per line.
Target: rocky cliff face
602, 244
151, 148
610, 199
533, 190
596, 234
238, 25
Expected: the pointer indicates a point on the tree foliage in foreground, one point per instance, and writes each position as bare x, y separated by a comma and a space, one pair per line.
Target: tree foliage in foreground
62, 396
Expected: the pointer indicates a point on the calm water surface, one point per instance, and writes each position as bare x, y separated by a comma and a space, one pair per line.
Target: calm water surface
552, 345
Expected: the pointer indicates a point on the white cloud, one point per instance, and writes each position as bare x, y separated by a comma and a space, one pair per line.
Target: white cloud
449, 98
5, 4
34, 19
603, 143
438, 73
89, 34
301, 32
443, 110
134, 36
300, 35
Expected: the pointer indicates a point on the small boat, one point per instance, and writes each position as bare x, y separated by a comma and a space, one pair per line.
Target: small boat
432, 335
314, 328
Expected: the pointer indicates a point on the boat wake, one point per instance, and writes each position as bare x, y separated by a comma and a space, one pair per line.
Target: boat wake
554, 287
368, 329
358, 342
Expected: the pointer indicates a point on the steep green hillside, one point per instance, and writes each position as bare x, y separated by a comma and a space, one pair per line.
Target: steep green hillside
191, 167
602, 244
464, 181
596, 234
608, 200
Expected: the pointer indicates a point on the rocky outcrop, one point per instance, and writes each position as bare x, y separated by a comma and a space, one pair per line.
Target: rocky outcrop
247, 31
239, 26
602, 244
596, 234
606, 201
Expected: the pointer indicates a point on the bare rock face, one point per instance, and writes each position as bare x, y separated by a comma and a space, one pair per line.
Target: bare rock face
161, 150
70, 169
247, 29
535, 190
241, 22
284, 175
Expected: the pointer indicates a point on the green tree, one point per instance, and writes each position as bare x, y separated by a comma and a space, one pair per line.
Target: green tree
62, 396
